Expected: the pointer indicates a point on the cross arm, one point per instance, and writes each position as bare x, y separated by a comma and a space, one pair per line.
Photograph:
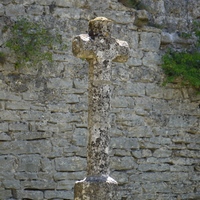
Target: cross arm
122, 50
82, 47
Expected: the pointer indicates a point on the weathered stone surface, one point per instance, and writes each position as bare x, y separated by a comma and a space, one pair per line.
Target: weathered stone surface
39, 184
125, 143
5, 194
153, 167
8, 163
149, 41
1, 10
10, 184
164, 120
30, 194
95, 190
13, 10
141, 18
35, 10
100, 49
29, 163
123, 163
80, 137
69, 175
70, 164
162, 152
61, 194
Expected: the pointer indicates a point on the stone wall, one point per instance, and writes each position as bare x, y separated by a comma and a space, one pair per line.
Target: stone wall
43, 111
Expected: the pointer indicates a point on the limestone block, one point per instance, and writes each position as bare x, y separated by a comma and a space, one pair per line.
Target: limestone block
63, 127
42, 147
39, 184
9, 96
33, 115
132, 89
165, 176
47, 165
124, 143
120, 74
32, 135
121, 178
136, 153
52, 194
1, 10
3, 126
156, 187
17, 126
67, 13
29, 96
123, 163
101, 6
59, 83
182, 121
69, 175
121, 152
35, 10
29, 163
5, 2
80, 107
7, 163
29, 194
129, 118
70, 164
151, 59
64, 118
155, 91
26, 175
187, 154
15, 10
5, 194
193, 146
58, 107
80, 84
80, 137
65, 185
11, 184
181, 188
28, 2
150, 41
134, 62
4, 137
115, 16
146, 153
119, 102
64, 3
139, 132
162, 152
71, 98
153, 167
16, 105
8, 115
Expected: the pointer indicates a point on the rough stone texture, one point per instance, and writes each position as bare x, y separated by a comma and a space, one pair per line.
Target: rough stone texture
48, 106
99, 48
90, 190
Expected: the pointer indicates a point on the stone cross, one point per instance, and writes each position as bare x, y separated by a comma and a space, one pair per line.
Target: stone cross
99, 49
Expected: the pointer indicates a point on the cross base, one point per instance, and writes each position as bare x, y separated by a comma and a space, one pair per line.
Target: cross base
96, 188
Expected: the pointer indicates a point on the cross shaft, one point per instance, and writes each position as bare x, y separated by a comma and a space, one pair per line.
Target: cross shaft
99, 49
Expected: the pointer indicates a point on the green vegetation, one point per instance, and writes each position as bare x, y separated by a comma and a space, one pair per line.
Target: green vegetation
184, 66
31, 43
2, 58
